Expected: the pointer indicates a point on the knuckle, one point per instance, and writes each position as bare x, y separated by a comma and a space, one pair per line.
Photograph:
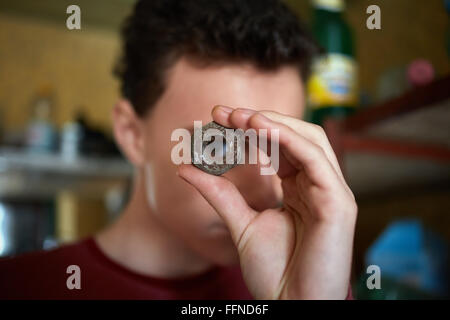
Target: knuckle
354, 207
352, 195
317, 128
320, 137
320, 132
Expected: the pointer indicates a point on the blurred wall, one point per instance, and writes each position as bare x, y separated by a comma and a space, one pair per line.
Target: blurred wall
75, 64
410, 30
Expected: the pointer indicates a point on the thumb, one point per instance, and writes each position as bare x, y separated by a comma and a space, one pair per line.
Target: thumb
223, 196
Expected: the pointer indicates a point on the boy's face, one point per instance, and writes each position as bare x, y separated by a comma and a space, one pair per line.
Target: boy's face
190, 94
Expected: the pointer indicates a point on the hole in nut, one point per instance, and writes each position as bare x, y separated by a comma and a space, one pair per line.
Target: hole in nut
222, 152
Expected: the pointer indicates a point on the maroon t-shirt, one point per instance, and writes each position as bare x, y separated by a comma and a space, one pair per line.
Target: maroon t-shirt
44, 275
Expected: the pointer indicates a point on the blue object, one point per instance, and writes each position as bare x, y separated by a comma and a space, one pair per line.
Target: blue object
447, 6
412, 255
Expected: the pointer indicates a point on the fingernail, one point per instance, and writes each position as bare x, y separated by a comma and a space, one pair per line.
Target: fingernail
224, 108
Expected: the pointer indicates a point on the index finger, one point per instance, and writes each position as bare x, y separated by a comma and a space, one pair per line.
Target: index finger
310, 156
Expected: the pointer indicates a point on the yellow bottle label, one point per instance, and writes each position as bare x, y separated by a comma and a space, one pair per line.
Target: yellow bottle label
332, 5
333, 82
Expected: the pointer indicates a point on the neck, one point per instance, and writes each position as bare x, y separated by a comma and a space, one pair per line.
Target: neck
138, 241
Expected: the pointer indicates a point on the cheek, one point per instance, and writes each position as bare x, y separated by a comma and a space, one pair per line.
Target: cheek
178, 203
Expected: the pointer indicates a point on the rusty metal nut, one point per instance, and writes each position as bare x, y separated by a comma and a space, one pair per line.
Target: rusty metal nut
201, 160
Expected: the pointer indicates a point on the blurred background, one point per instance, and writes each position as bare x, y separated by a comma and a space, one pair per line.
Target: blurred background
62, 177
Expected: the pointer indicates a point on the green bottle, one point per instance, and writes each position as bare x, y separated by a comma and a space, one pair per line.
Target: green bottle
332, 87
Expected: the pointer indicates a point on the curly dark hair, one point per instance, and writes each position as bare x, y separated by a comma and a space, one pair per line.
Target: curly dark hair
158, 32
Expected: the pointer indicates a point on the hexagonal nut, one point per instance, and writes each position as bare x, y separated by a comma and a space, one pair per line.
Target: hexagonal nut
207, 164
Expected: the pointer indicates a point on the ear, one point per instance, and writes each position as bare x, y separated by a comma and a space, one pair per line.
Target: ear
128, 132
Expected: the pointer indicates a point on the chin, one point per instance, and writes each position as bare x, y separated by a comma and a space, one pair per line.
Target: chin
226, 260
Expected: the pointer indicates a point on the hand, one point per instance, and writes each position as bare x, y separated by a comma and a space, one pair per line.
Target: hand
302, 250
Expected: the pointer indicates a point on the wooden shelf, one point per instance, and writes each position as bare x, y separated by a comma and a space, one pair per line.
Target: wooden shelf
402, 143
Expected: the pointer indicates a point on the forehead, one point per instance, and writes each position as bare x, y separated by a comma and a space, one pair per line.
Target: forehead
192, 91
